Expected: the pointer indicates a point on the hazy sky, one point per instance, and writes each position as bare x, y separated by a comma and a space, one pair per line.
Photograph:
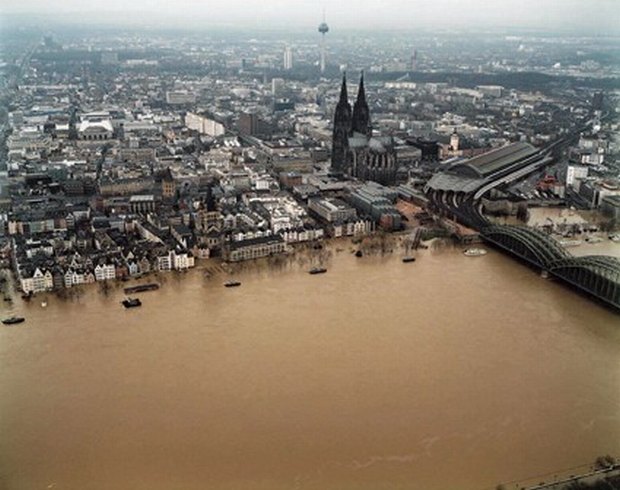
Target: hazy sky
594, 15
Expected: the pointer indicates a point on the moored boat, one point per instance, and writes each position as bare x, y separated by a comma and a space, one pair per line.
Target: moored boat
475, 252
13, 320
140, 288
570, 243
131, 302
408, 259
232, 284
317, 270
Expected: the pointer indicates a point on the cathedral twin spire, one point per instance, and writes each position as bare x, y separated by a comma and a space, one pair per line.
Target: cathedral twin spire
360, 118
354, 154
361, 113
347, 122
344, 95
343, 109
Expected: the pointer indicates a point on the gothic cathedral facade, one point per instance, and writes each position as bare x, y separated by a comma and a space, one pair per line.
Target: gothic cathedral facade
355, 151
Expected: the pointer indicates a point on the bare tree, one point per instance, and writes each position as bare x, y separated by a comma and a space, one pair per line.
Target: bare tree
105, 288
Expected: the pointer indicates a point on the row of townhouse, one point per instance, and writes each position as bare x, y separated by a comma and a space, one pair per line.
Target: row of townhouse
354, 227
302, 234
289, 235
41, 279
51, 219
76, 275
37, 281
175, 260
105, 272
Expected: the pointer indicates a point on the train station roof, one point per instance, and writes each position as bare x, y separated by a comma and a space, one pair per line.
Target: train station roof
469, 175
445, 181
494, 161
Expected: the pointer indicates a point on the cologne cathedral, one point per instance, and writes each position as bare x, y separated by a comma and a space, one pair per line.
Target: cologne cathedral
355, 152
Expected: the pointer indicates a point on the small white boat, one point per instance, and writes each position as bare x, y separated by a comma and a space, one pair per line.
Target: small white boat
43, 304
570, 243
475, 252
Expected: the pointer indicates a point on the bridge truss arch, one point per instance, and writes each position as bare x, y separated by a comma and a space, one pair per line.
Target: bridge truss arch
597, 275
533, 245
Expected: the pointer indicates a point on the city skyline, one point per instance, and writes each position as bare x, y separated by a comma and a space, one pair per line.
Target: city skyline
255, 245
601, 16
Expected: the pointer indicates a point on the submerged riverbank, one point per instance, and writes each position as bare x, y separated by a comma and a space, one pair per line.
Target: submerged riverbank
300, 257
307, 254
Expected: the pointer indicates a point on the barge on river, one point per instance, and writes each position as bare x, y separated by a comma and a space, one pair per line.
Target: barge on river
140, 288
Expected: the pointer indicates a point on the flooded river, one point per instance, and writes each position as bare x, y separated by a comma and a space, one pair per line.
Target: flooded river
450, 372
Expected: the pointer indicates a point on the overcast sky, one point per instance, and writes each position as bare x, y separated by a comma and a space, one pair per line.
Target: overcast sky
601, 16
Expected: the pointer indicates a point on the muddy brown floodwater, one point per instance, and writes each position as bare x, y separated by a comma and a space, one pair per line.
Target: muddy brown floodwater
447, 373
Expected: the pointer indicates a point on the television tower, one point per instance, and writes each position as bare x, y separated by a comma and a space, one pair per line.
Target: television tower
323, 29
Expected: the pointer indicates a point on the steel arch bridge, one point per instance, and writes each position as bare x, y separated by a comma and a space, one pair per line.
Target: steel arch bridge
599, 276
534, 246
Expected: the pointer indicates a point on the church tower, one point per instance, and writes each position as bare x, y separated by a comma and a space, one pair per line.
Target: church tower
361, 113
342, 129
455, 140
